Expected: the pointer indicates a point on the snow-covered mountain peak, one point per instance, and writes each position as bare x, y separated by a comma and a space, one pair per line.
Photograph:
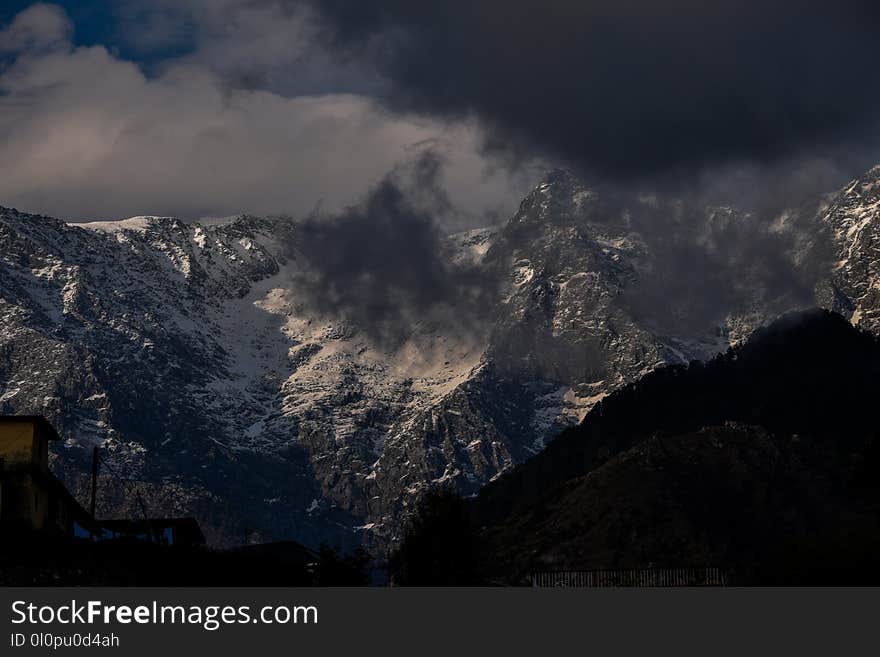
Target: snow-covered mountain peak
132, 223
191, 353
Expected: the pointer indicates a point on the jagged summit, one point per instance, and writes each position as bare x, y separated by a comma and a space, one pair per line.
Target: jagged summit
132, 223
873, 172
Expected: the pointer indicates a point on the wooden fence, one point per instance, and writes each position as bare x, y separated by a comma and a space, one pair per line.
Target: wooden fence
637, 577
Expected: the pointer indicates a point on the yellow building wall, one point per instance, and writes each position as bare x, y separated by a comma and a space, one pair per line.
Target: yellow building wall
18, 443
38, 501
29, 497
28, 501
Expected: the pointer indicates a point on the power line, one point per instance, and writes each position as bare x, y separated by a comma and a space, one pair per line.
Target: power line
127, 482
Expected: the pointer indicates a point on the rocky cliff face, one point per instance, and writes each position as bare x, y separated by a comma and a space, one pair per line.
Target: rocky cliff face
188, 352
851, 218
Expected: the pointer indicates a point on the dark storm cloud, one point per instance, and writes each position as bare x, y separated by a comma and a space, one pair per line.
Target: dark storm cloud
625, 88
759, 105
384, 265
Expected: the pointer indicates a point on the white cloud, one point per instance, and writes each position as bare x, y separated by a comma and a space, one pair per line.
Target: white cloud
266, 43
39, 27
84, 134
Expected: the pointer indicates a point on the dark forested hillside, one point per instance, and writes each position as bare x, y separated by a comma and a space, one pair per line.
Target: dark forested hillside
811, 374
763, 461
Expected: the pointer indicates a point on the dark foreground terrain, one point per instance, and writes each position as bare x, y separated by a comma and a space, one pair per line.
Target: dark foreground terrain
32, 560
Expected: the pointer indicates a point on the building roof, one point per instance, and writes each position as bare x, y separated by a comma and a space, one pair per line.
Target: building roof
42, 423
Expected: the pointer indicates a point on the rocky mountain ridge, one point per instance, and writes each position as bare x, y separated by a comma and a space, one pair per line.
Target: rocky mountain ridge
187, 351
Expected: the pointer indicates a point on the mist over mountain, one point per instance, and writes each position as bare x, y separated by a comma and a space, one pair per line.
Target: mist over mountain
384, 265
311, 380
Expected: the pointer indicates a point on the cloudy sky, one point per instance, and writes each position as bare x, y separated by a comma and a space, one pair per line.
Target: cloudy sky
214, 107
207, 108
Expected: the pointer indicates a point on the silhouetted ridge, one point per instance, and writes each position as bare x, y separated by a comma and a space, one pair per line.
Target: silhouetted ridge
810, 373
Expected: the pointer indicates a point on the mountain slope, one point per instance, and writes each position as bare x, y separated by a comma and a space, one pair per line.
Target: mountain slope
851, 217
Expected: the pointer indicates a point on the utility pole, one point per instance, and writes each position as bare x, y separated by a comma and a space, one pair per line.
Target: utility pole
2, 468
94, 481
